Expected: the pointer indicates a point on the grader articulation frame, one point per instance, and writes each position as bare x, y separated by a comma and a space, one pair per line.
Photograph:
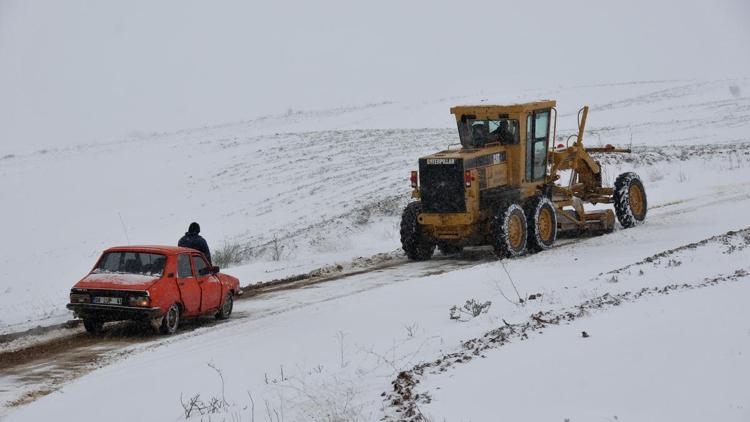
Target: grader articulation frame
501, 187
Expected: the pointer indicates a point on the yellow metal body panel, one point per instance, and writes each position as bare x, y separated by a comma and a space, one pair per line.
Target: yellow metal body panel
492, 111
447, 219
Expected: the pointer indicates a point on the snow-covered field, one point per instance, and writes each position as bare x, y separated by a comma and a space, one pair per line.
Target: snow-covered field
327, 187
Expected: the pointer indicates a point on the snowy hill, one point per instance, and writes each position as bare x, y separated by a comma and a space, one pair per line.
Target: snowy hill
328, 186
317, 181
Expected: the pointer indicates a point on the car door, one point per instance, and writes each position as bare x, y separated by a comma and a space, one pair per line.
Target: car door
190, 291
209, 283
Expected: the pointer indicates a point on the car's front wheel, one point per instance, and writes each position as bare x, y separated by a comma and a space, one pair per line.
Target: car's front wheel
93, 326
171, 320
226, 307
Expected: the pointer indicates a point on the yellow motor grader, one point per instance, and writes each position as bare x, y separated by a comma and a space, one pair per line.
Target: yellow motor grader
500, 187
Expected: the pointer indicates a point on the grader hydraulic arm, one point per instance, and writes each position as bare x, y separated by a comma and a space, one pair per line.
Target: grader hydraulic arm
585, 180
584, 184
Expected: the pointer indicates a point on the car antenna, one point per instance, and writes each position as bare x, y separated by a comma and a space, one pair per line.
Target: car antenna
124, 228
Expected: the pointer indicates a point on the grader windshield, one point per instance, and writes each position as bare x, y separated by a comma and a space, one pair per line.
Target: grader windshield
478, 133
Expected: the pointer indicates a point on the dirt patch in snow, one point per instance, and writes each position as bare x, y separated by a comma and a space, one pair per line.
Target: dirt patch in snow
733, 240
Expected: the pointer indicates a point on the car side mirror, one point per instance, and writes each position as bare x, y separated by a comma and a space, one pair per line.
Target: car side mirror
215, 269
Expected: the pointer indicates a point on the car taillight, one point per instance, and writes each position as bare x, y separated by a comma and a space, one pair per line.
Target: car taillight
139, 301
414, 179
467, 178
80, 298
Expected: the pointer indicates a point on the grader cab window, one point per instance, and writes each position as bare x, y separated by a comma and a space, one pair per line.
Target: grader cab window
478, 133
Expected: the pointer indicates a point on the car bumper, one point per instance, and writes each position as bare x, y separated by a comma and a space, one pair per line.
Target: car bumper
112, 312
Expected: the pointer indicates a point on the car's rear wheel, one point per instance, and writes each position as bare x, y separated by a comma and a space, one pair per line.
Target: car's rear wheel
93, 326
226, 307
171, 320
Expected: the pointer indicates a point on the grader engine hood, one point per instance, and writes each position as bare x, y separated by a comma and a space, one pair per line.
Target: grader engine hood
442, 184
441, 177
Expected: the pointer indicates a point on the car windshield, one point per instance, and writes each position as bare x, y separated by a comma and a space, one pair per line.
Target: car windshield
478, 133
131, 263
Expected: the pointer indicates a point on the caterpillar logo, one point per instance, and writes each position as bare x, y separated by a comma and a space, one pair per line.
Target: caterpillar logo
441, 161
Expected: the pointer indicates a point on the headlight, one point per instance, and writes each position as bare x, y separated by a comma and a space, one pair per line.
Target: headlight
139, 301
79, 298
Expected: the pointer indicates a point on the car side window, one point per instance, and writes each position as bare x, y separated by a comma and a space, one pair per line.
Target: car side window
183, 266
200, 265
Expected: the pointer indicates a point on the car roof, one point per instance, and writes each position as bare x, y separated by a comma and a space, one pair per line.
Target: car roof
160, 249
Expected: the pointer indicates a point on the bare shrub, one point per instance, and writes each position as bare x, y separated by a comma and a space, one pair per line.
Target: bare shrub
196, 405
734, 161
388, 207
277, 248
682, 177
232, 253
362, 216
470, 309
214, 404
411, 329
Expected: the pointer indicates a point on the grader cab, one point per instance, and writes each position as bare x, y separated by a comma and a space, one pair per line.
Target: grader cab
501, 187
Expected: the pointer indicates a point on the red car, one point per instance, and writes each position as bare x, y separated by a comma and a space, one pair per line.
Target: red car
155, 284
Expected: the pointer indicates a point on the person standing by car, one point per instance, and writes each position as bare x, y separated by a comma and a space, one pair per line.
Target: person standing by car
193, 240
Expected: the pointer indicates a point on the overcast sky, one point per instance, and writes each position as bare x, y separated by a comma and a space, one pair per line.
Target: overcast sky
83, 71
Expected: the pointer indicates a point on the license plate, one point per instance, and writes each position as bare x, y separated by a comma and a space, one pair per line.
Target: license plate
108, 300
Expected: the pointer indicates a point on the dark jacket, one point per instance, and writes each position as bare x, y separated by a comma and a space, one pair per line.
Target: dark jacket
197, 242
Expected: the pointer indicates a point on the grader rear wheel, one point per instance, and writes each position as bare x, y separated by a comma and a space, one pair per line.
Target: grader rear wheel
416, 246
509, 231
631, 204
542, 223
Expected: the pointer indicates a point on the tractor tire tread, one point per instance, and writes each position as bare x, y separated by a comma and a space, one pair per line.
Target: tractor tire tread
414, 244
621, 199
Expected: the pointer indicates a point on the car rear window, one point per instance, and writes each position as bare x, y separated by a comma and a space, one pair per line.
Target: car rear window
131, 263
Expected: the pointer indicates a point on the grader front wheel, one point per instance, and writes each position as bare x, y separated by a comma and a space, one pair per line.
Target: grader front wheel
630, 200
509, 231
